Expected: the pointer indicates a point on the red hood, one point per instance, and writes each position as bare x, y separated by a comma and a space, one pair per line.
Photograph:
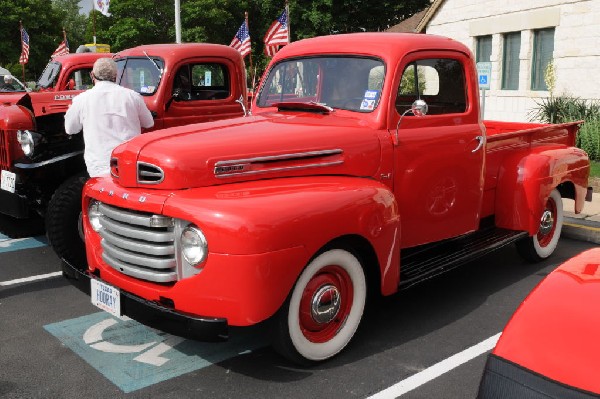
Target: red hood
10, 98
259, 147
555, 330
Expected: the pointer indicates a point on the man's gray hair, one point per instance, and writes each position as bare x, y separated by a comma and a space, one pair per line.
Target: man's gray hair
105, 69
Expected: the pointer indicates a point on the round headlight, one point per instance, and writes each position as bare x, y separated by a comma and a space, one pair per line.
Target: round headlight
25, 138
193, 245
94, 215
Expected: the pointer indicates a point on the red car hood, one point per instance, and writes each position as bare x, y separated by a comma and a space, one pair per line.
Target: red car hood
10, 98
266, 146
556, 329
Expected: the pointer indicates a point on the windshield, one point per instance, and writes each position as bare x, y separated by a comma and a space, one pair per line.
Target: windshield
48, 78
350, 83
140, 74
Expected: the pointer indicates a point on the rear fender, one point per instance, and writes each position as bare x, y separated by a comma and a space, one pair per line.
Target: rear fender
273, 215
13, 118
525, 182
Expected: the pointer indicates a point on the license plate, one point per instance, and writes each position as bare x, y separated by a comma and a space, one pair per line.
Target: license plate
106, 297
7, 181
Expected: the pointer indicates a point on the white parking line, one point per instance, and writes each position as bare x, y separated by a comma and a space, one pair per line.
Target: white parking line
431, 373
29, 279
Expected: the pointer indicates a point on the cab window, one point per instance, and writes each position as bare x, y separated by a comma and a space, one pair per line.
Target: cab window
439, 81
202, 81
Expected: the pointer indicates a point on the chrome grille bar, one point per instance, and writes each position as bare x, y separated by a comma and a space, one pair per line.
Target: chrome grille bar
152, 262
127, 230
138, 244
139, 272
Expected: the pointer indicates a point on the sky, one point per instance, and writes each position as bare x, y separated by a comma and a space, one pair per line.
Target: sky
86, 6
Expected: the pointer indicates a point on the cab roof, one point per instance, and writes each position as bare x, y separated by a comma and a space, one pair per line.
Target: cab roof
80, 58
384, 45
179, 51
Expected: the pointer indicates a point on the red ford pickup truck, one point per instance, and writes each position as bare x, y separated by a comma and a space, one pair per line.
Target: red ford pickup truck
365, 168
42, 167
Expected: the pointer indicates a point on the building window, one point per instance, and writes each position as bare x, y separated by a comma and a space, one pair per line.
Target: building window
510, 62
484, 49
543, 47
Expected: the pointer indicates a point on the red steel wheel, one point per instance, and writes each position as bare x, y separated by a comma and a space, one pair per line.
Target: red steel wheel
543, 244
324, 309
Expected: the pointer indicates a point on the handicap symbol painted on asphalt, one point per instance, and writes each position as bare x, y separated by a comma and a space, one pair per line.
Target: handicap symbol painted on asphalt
134, 356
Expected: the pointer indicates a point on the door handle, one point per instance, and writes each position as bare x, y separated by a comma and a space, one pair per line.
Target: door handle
481, 140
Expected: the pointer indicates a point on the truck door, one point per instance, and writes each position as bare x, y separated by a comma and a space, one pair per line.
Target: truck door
201, 91
439, 157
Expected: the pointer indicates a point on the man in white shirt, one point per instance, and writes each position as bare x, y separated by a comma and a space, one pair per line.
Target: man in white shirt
109, 114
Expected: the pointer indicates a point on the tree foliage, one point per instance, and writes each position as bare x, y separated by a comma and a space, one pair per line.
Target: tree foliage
135, 22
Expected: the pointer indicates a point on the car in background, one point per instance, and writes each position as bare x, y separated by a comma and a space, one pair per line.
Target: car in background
550, 348
9, 83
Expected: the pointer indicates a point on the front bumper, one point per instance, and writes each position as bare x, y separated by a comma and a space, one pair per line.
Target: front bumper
155, 315
503, 379
13, 204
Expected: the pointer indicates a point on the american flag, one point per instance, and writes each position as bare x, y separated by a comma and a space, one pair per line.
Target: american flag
241, 40
62, 49
24, 47
277, 35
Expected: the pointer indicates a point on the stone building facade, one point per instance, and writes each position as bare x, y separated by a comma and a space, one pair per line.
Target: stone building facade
520, 39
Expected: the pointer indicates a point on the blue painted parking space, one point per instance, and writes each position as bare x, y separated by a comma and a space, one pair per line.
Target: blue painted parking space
133, 356
8, 244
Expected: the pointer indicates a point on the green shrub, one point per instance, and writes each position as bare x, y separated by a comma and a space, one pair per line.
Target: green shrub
588, 138
567, 109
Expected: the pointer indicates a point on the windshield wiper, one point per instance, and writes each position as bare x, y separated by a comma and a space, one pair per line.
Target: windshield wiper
302, 106
160, 71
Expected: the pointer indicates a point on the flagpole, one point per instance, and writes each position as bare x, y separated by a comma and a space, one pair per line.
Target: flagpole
94, 21
177, 21
287, 11
21, 37
248, 26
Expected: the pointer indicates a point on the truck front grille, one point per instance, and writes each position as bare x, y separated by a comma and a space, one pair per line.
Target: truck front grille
4, 151
133, 246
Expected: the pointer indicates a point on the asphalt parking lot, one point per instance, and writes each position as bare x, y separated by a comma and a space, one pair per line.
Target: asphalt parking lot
54, 343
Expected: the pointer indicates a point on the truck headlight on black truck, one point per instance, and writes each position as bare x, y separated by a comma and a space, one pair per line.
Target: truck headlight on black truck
194, 246
28, 141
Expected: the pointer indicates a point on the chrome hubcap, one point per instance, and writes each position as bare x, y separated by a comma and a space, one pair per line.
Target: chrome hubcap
325, 304
547, 222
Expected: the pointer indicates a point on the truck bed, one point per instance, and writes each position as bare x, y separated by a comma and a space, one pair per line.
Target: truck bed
505, 139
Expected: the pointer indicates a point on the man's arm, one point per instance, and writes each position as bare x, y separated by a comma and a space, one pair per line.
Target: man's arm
72, 119
146, 119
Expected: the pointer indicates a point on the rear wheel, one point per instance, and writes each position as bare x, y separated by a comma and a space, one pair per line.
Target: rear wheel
63, 222
324, 309
543, 244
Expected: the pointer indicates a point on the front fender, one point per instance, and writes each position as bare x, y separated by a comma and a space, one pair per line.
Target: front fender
309, 212
525, 181
13, 118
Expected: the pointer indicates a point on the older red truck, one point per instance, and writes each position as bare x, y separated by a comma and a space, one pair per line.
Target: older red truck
34, 163
42, 167
364, 168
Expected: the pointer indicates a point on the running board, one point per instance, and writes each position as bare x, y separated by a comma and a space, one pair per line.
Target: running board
427, 261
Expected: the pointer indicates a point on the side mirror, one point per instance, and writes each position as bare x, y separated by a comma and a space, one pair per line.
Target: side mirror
419, 108
71, 84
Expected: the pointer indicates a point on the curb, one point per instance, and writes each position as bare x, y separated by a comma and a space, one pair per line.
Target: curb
581, 229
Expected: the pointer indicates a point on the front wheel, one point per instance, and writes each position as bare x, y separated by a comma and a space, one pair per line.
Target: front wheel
63, 222
324, 309
543, 244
